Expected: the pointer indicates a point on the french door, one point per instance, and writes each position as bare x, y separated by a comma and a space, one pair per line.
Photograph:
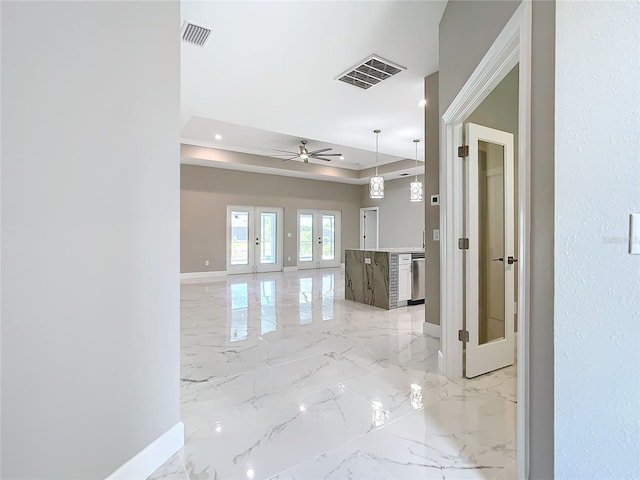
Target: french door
254, 239
490, 258
319, 238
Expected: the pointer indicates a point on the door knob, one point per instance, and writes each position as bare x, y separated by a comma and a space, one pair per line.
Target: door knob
499, 259
511, 260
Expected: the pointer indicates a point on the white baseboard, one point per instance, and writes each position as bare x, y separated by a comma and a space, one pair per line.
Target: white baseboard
290, 269
440, 362
193, 277
152, 456
431, 329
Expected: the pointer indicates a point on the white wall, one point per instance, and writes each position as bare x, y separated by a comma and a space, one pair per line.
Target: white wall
597, 301
90, 232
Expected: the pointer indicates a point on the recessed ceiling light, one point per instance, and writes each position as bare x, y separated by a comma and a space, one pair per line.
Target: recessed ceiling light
218, 137
341, 157
251, 473
422, 102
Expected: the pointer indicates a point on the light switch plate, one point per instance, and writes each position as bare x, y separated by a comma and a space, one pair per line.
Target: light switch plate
634, 234
288, 234
436, 235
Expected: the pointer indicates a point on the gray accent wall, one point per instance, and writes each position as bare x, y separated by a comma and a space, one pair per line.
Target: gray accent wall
467, 30
432, 213
206, 192
400, 222
90, 222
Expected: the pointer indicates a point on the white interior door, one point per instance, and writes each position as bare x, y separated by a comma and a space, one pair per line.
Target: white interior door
254, 239
319, 238
489, 263
369, 228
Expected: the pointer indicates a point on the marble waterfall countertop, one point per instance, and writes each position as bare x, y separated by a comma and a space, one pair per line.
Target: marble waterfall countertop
372, 275
390, 250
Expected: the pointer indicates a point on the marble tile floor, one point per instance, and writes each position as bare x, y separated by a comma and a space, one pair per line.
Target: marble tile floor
282, 378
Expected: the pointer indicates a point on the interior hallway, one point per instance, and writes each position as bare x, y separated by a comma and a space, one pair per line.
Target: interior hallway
283, 378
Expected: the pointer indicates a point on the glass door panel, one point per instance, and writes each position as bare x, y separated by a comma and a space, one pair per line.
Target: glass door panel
491, 214
305, 237
239, 237
268, 237
328, 237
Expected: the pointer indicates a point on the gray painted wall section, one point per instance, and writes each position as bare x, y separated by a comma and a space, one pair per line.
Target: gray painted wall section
541, 352
400, 222
90, 219
432, 186
206, 192
467, 30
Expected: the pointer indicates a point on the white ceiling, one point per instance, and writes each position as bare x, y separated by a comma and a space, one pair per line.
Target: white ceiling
267, 77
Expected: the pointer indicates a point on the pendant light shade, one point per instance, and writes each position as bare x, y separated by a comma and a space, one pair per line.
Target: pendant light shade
415, 187
376, 184
376, 187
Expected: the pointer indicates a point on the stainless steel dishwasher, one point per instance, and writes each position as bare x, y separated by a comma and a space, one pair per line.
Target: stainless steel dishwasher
417, 278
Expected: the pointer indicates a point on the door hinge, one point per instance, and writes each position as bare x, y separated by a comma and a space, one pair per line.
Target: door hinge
463, 243
463, 151
463, 335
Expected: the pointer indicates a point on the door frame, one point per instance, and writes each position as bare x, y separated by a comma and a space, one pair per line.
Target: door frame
513, 46
362, 212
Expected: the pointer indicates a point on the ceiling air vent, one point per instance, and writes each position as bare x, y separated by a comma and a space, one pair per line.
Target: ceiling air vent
195, 34
404, 174
371, 71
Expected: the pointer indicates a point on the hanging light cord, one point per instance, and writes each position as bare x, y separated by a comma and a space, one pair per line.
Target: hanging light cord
416, 160
377, 133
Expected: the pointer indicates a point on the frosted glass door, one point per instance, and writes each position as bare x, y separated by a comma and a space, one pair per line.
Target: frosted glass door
489, 261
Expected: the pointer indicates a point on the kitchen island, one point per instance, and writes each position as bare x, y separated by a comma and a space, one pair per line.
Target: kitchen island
380, 277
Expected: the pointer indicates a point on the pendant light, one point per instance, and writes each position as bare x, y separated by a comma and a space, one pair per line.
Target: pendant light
376, 184
415, 187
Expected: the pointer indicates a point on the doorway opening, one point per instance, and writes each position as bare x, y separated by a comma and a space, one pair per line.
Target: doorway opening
369, 229
511, 48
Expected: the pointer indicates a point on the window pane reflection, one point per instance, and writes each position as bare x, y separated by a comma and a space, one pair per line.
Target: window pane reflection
327, 296
305, 300
239, 311
268, 306
239, 238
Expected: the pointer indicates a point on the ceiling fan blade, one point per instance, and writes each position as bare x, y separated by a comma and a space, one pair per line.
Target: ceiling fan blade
320, 158
285, 151
319, 151
330, 154
287, 159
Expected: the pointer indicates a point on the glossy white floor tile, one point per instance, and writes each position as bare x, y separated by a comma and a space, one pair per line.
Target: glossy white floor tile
282, 378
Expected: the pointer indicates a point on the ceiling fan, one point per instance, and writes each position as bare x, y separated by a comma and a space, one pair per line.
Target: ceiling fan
305, 154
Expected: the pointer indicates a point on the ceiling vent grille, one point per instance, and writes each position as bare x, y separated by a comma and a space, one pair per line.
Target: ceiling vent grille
195, 34
371, 71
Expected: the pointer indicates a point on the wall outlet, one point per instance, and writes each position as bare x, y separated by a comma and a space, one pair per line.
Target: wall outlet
288, 234
288, 259
206, 263
436, 235
435, 200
